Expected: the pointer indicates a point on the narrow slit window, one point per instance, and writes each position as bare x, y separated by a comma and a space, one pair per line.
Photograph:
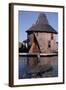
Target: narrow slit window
49, 44
51, 36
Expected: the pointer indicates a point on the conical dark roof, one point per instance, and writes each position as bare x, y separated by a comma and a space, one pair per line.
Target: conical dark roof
42, 25
42, 19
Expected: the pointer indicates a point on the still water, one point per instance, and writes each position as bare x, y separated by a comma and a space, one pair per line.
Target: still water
23, 66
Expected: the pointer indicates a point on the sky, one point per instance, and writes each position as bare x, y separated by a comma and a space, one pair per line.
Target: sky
27, 18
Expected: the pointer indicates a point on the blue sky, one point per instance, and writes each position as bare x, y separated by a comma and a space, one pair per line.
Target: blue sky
27, 18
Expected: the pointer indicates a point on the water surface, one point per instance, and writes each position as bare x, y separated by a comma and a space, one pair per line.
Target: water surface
23, 66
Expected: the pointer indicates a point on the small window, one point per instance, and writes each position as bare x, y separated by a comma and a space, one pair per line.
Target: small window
51, 36
49, 44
